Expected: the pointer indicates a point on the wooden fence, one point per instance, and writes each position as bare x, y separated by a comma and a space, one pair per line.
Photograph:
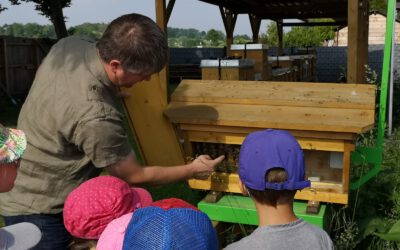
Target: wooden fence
19, 60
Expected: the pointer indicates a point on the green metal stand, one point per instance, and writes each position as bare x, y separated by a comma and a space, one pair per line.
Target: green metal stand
240, 209
373, 156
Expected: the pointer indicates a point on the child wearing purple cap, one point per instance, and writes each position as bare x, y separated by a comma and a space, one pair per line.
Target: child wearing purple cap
271, 170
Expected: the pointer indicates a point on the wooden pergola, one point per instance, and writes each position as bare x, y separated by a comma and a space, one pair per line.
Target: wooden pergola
305, 10
148, 100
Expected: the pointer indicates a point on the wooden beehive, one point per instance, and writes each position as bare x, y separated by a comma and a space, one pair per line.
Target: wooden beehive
256, 52
326, 118
227, 69
304, 64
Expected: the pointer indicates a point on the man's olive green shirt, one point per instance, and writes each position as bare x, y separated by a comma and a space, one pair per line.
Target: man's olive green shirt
72, 126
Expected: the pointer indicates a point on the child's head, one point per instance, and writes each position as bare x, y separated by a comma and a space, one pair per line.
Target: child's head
166, 224
90, 207
272, 167
12, 146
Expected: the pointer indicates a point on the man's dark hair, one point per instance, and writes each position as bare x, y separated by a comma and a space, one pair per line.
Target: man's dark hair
137, 42
273, 197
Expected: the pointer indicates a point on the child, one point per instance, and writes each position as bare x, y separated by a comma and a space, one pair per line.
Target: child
90, 207
271, 170
169, 224
12, 145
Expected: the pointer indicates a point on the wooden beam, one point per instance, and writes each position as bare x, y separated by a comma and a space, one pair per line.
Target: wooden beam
357, 50
170, 7
324, 192
310, 24
162, 20
161, 15
229, 18
255, 24
280, 36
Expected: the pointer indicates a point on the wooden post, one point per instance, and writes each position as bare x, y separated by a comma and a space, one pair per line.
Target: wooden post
145, 105
161, 19
357, 50
280, 37
255, 27
229, 19
6, 78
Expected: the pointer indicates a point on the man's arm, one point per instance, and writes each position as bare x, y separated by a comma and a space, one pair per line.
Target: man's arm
131, 171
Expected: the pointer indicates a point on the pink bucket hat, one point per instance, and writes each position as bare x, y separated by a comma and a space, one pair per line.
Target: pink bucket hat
95, 203
113, 236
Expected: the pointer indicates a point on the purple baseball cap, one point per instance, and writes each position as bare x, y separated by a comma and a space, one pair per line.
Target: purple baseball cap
263, 150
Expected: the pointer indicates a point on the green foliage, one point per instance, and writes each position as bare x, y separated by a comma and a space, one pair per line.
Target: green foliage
299, 36
31, 30
215, 37
393, 234
242, 39
192, 33
180, 38
378, 5
91, 30
270, 37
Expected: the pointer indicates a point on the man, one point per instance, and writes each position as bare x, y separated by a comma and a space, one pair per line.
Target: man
74, 130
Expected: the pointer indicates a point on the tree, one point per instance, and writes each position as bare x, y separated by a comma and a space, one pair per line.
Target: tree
215, 37
53, 10
31, 30
241, 39
299, 36
91, 30
378, 5
270, 37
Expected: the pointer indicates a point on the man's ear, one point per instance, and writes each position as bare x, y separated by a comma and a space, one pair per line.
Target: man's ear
242, 188
114, 65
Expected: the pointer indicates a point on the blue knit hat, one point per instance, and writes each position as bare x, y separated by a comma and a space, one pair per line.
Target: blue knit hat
263, 150
172, 229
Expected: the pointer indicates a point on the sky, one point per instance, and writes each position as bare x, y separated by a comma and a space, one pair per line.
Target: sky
186, 14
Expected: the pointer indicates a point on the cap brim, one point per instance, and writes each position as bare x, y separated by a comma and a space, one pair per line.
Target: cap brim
20, 236
143, 196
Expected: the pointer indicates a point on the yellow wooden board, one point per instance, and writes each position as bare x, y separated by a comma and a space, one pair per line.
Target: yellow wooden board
156, 136
319, 191
245, 130
277, 117
352, 96
234, 138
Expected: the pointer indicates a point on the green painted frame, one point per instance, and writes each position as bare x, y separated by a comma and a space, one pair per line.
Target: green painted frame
241, 209
373, 156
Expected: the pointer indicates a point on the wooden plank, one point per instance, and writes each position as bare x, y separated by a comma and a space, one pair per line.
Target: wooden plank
247, 130
352, 96
156, 136
315, 195
235, 138
278, 117
346, 166
229, 183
